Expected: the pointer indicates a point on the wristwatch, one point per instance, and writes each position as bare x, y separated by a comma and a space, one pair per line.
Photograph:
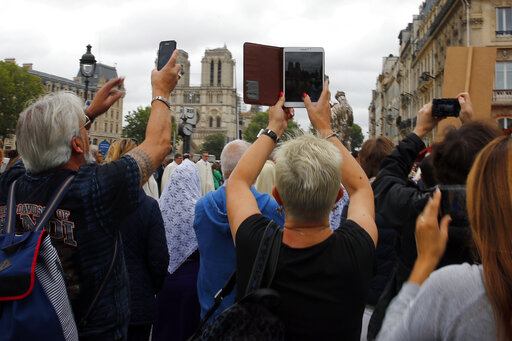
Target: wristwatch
269, 133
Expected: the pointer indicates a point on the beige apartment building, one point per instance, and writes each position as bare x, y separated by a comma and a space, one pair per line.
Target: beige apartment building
107, 127
415, 76
215, 99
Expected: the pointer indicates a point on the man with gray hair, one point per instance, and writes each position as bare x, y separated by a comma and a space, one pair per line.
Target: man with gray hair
215, 243
52, 137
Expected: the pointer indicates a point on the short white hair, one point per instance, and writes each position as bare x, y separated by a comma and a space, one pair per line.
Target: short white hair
308, 177
231, 154
46, 128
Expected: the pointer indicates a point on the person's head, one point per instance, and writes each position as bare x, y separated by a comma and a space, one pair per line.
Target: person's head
308, 177
186, 156
118, 148
489, 203
453, 157
178, 158
97, 155
50, 130
372, 152
231, 154
215, 166
204, 156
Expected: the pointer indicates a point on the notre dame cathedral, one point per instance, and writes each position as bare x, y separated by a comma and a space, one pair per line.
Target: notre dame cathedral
215, 99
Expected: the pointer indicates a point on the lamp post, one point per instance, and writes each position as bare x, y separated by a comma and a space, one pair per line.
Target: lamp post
87, 67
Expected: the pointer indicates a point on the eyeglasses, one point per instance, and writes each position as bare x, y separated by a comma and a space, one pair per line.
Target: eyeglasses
87, 123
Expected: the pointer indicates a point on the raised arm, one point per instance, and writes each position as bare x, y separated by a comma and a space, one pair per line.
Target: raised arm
241, 203
361, 208
150, 153
104, 98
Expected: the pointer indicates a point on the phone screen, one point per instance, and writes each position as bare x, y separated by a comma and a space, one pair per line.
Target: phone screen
164, 52
453, 202
303, 74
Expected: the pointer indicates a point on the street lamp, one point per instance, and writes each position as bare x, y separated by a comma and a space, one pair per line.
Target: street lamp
87, 67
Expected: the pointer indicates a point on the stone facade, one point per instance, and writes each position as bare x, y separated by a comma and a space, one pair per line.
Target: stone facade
415, 76
215, 99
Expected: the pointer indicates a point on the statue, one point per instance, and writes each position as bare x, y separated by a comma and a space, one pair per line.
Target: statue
342, 118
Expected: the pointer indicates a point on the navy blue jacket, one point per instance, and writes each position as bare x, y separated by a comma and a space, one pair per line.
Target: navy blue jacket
146, 256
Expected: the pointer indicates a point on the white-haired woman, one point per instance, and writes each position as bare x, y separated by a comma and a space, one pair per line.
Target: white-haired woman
323, 277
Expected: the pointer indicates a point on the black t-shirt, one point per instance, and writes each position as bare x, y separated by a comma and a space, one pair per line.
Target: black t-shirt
323, 287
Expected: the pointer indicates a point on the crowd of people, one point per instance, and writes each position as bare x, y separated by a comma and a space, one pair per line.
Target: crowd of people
365, 252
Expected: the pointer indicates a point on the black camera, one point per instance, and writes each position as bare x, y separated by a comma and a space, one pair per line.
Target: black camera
443, 107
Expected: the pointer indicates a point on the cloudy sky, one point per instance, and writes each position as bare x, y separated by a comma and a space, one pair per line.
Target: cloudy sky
52, 34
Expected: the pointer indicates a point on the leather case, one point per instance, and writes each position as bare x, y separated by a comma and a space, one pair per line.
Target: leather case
263, 73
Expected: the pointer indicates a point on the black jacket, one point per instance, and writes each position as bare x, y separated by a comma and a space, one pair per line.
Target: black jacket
147, 258
400, 201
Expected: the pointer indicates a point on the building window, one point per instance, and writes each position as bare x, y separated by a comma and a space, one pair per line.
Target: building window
218, 121
111, 128
211, 73
505, 123
503, 76
105, 127
211, 122
219, 72
95, 126
94, 141
504, 21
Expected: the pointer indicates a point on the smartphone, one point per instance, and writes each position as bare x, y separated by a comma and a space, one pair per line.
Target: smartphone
165, 51
443, 107
453, 203
303, 72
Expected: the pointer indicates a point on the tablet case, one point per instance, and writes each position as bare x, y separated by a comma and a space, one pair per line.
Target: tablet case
263, 74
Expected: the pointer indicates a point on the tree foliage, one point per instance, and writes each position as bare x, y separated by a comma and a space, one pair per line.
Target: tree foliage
17, 88
356, 137
136, 123
213, 144
260, 121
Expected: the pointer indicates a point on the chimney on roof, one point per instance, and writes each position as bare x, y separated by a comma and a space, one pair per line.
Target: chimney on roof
10, 60
27, 66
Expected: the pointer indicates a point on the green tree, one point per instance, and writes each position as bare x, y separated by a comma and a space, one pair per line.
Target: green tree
136, 123
213, 144
356, 137
260, 121
17, 88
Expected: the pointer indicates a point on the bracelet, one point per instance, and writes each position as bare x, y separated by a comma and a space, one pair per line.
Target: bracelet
335, 133
162, 99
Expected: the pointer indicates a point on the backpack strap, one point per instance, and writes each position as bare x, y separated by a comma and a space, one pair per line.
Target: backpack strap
55, 201
83, 321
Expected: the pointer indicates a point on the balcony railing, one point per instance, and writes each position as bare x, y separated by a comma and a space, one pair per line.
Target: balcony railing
503, 97
503, 33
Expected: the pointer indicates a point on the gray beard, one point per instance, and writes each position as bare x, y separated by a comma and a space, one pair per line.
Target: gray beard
89, 158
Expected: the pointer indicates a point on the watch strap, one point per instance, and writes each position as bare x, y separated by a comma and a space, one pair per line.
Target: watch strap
270, 134
162, 99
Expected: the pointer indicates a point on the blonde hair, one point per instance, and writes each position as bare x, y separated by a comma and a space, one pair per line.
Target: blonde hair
308, 177
489, 203
118, 148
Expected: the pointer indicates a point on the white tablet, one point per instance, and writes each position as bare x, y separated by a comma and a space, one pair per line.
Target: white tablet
303, 72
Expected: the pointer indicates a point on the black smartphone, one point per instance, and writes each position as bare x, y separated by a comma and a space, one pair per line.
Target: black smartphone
453, 203
165, 51
444, 107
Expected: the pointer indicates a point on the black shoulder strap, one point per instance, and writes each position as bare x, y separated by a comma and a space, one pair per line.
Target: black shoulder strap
270, 244
268, 254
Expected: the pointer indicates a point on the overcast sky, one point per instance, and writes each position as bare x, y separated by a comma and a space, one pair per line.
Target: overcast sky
52, 34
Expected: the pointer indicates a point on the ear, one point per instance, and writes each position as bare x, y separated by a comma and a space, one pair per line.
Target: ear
340, 194
275, 193
77, 145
